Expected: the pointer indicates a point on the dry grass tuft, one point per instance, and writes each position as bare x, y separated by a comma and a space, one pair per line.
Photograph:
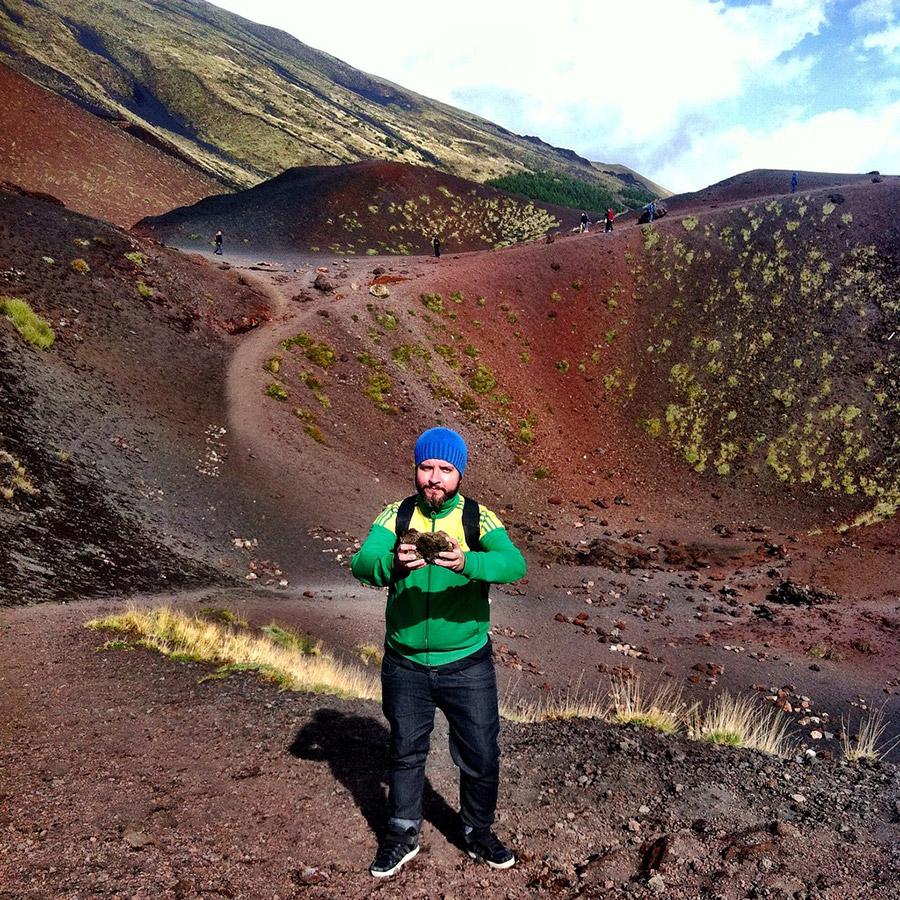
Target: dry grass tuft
370, 654
13, 477
736, 722
866, 743
573, 704
740, 722
293, 661
661, 709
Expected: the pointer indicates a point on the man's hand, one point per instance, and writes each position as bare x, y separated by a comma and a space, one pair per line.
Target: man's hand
406, 560
453, 559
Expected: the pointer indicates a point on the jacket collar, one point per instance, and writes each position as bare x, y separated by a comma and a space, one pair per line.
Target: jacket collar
445, 510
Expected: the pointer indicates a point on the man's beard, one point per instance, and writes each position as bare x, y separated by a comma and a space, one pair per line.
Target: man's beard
436, 504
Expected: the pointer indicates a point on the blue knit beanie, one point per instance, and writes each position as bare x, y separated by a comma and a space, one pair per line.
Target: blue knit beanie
445, 444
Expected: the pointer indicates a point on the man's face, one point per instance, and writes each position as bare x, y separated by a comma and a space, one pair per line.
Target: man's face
437, 482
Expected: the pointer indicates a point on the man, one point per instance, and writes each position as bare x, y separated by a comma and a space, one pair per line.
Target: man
218, 242
610, 215
437, 649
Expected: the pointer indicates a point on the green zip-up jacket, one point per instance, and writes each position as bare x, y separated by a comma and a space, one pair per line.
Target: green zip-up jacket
435, 616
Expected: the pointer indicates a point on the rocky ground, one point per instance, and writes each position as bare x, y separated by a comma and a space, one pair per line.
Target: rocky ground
125, 775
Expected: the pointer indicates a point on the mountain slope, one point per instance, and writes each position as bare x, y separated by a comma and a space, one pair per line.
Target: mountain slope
120, 413
752, 343
630, 178
245, 101
51, 146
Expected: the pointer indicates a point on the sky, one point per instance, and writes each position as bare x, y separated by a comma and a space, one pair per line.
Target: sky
686, 92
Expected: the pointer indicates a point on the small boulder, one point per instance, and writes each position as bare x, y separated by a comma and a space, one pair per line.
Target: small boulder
792, 594
323, 283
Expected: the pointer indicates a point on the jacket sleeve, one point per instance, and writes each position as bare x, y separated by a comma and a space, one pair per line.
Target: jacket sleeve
374, 562
498, 563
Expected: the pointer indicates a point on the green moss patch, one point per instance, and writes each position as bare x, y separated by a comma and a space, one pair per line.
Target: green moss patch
35, 330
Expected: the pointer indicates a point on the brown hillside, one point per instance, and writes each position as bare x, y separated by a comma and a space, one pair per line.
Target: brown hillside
363, 209
760, 183
590, 326
50, 146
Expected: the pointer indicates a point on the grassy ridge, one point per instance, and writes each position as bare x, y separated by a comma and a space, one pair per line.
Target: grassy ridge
564, 190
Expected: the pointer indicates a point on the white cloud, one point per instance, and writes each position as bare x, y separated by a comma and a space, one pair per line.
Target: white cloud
578, 59
885, 92
795, 71
888, 40
578, 82
838, 141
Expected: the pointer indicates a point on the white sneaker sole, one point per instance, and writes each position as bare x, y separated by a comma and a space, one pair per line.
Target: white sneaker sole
396, 868
504, 865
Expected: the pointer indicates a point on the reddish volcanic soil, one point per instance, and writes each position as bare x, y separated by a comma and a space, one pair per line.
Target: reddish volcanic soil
128, 775
50, 146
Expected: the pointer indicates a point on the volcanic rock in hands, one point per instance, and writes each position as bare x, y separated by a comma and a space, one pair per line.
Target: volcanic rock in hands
428, 543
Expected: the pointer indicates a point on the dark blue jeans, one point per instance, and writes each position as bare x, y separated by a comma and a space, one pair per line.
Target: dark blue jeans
466, 692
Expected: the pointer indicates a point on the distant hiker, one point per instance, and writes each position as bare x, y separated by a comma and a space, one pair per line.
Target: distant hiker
651, 209
437, 651
218, 241
609, 220
437, 245
584, 222
793, 182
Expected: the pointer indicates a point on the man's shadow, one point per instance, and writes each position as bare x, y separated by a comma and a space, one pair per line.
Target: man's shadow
357, 750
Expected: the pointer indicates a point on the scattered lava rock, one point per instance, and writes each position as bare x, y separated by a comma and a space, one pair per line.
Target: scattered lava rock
609, 554
793, 594
323, 283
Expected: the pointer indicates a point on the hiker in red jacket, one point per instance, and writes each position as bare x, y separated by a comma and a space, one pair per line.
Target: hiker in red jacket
609, 220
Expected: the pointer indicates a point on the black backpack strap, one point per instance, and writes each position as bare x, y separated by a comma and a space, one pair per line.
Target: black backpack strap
404, 515
471, 522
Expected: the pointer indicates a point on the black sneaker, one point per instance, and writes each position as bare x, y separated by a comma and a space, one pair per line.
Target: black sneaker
484, 844
398, 847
